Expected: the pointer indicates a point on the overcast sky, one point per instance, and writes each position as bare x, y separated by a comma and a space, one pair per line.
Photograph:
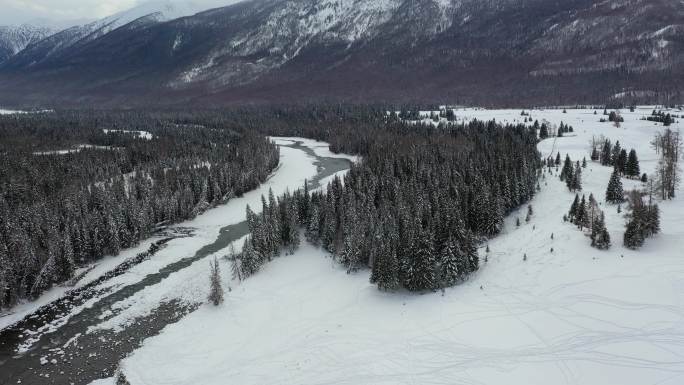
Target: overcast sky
64, 12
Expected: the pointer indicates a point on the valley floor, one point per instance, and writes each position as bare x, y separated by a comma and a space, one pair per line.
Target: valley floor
569, 314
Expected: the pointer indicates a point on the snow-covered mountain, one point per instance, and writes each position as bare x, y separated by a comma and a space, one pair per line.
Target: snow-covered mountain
468, 51
145, 14
13, 39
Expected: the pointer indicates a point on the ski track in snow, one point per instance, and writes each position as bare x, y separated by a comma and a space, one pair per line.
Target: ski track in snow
576, 315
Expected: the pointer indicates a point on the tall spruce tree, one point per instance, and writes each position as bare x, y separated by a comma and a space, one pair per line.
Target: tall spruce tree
215, 289
614, 192
632, 167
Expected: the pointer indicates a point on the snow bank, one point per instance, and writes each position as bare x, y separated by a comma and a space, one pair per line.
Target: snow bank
321, 149
295, 167
574, 315
187, 285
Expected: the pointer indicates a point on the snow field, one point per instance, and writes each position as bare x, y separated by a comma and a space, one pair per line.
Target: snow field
574, 315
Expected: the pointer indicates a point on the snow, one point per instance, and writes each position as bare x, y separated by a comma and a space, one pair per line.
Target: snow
295, 167
576, 315
9, 112
321, 149
140, 134
187, 284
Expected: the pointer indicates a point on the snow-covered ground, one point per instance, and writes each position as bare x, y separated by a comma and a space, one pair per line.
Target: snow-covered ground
8, 112
295, 166
141, 134
576, 315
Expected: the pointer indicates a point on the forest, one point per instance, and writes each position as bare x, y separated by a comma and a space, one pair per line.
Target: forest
414, 210
78, 185
71, 193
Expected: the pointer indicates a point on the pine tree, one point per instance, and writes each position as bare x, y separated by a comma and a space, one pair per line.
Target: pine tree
600, 238
64, 263
582, 216
606, 156
543, 132
558, 159
633, 238
566, 172
449, 263
215, 289
614, 193
632, 167
422, 273
615, 153
622, 162
249, 259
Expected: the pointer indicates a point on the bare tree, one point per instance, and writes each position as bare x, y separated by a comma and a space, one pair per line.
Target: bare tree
669, 145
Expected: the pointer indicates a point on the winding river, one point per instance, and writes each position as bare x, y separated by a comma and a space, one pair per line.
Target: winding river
85, 357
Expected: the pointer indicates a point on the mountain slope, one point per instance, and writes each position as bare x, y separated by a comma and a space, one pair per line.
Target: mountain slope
13, 39
468, 51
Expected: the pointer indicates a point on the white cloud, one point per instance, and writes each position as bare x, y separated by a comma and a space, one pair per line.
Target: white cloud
65, 11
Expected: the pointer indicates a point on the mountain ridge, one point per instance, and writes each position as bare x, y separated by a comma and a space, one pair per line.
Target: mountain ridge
263, 51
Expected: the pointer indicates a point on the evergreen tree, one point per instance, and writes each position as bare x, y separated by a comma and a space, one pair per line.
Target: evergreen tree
600, 238
422, 272
566, 172
615, 154
606, 154
632, 167
622, 162
543, 132
634, 237
614, 193
449, 263
582, 215
215, 289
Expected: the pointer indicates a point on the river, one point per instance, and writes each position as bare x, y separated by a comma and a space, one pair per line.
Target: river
65, 353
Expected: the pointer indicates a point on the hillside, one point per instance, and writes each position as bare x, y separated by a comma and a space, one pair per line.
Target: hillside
500, 52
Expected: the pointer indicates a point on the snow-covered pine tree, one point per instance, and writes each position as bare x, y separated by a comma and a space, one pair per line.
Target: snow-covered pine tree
606, 155
632, 167
423, 272
615, 153
249, 259
64, 264
543, 132
634, 237
614, 192
449, 263
600, 238
215, 289
576, 180
622, 162
582, 215
566, 172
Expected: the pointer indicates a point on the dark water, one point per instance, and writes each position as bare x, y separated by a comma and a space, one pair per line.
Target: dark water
96, 355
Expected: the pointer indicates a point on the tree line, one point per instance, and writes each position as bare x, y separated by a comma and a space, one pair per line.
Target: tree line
61, 210
414, 211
